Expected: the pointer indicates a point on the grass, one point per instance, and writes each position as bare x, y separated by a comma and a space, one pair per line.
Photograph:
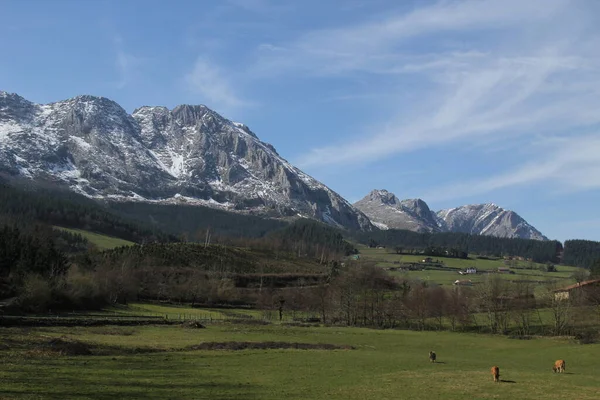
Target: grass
102, 242
178, 312
385, 364
385, 259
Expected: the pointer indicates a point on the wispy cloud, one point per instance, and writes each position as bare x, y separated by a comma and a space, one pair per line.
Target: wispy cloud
209, 82
126, 64
566, 165
522, 68
378, 46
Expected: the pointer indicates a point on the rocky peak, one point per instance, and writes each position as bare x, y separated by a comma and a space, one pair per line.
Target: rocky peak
417, 207
383, 196
386, 211
189, 154
14, 107
488, 219
194, 115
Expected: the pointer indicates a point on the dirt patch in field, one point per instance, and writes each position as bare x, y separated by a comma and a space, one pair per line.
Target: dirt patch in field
266, 346
112, 331
63, 347
193, 325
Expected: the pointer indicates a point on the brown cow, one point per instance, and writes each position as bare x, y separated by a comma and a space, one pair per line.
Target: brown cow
432, 356
496, 373
559, 366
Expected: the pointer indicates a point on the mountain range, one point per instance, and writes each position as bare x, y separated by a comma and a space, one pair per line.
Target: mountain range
192, 155
386, 211
189, 154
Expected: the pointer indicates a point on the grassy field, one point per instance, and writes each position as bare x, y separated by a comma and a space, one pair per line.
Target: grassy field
102, 242
179, 312
152, 362
385, 259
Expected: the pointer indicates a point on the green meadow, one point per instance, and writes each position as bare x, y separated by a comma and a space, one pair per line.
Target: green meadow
523, 270
102, 242
157, 362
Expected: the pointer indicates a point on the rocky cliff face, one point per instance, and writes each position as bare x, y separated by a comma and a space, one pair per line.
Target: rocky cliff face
189, 154
488, 219
388, 212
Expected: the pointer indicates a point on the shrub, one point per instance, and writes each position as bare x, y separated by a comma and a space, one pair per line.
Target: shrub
589, 336
36, 294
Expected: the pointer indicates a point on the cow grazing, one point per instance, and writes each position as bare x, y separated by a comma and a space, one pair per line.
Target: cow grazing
559, 366
496, 373
432, 356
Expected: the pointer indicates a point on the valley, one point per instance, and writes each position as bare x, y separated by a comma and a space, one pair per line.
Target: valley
172, 254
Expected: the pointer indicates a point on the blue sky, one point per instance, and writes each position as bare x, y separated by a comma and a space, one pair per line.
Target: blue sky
454, 102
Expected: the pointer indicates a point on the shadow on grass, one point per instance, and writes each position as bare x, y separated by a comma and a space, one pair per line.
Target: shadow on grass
506, 381
145, 391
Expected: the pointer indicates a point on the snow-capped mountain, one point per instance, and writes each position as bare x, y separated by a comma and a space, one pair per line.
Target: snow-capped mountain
488, 219
189, 154
386, 211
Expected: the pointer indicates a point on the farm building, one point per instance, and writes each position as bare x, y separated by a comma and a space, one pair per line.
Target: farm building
427, 260
585, 287
459, 282
469, 270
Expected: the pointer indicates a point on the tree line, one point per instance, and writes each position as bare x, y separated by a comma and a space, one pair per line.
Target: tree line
581, 253
537, 250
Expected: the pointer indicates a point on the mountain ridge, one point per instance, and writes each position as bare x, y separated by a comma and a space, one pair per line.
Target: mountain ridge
189, 154
386, 211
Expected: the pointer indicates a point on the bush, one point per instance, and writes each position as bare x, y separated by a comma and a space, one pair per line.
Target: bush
590, 336
36, 294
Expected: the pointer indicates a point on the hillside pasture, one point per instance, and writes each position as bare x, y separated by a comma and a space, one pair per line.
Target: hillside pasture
157, 362
523, 270
102, 242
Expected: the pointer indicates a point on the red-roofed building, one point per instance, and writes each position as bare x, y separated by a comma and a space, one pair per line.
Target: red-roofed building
586, 286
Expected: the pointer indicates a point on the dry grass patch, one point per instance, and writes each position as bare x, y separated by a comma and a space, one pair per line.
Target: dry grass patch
266, 346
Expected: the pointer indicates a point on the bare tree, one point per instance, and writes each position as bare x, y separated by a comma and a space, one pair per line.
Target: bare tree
438, 300
521, 306
561, 308
492, 296
457, 307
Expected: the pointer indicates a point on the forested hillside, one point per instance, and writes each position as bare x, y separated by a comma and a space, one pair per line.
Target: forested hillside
581, 253
192, 222
70, 210
315, 238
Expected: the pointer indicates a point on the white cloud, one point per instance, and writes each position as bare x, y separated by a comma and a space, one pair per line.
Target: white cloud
211, 83
495, 100
566, 165
524, 68
377, 46
126, 64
